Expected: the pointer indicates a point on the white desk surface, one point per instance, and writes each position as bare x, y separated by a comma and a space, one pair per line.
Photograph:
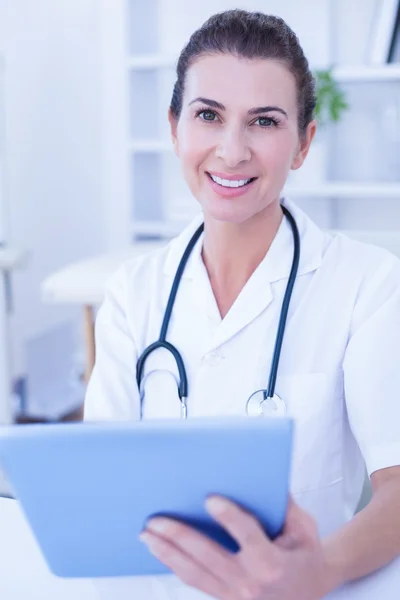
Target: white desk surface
23, 573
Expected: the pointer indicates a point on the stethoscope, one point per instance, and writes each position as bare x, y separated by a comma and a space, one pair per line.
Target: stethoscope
263, 402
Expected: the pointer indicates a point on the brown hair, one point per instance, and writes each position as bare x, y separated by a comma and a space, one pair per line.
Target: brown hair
249, 35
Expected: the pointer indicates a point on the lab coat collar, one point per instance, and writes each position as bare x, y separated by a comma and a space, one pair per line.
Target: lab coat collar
279, 257
257, 294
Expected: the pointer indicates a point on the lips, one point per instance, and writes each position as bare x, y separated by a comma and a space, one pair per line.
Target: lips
230, 181
230, 177
226, 191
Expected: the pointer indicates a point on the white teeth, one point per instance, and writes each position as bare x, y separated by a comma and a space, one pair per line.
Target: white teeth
230, 182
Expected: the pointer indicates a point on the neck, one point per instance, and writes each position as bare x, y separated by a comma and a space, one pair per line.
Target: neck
232, 252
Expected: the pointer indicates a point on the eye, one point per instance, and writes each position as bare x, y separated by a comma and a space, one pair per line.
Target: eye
207, 115
267, 122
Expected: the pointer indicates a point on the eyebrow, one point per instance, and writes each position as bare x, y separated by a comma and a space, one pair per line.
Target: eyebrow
252, 111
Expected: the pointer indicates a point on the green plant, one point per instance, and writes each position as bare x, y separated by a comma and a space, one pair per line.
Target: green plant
331, 99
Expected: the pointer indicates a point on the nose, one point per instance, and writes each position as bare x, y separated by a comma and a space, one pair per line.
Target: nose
233, 147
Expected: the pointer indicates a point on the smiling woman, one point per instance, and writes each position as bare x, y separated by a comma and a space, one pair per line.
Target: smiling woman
202, 319
229, 124
241, 118
235, 98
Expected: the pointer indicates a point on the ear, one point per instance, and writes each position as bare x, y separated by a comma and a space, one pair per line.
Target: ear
304, 146
174, 133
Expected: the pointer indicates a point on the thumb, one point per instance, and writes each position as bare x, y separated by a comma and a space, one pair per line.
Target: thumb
300, 528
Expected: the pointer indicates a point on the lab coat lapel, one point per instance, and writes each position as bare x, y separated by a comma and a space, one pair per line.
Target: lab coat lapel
257, 294
252, 301
254, 298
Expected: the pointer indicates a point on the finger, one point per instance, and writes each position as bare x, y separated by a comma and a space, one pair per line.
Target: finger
244, 527
199, 547
300, 527
184, 566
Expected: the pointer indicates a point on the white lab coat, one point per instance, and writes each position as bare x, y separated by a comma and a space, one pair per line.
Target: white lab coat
339, 372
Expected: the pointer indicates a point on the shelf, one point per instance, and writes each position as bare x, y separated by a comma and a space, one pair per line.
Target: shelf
339, 189
151, 61
333, 190
327, 190
348, 73
366, 73
150, 146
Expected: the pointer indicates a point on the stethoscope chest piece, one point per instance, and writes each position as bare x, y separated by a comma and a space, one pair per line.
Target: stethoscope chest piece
258, 405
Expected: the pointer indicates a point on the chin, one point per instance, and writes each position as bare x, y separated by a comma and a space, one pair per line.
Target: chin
228, 214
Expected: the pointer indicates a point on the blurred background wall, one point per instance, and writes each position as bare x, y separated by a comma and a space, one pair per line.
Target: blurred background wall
54, 177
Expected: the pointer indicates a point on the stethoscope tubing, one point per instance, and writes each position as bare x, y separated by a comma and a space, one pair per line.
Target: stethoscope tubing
162, 342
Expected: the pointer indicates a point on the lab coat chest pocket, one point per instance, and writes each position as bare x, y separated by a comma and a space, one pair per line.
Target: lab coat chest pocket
315, 402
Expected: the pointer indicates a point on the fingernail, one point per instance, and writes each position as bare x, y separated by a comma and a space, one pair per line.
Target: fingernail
215, 505
144, 537
158, 525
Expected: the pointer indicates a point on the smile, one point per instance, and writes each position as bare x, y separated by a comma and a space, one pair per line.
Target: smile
231, 183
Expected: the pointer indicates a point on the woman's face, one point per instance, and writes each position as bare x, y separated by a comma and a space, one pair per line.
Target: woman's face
237, 135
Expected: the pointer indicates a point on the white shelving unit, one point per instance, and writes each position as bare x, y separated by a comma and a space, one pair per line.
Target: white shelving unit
331, 190
343, 189
365, 73
348, 73
160, 198
157, 200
